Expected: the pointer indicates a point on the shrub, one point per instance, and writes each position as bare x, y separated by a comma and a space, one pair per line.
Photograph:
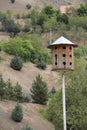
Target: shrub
17, 113
18, 96
39, 91
9, 91
28, 6
10, 26
41, 65
2, 87
19, 46
16, 63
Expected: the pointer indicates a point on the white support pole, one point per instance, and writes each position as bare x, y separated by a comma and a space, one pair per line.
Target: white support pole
64, 101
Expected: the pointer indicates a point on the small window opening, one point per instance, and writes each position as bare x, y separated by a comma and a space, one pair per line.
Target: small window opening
70, 55
55, 59
64, 47
55, 63
64, 55
55, 47
70, 48
64, 63
70, 63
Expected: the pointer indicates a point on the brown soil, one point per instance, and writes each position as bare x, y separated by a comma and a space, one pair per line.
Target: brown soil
31, 117
29, 72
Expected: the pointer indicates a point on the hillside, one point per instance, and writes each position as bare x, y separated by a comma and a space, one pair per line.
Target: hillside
20, 5
31, 117
27, 74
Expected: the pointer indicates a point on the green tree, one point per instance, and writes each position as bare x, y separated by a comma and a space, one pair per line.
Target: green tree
18, 95
82, 11
49, 11
10, 26
9, 91
2, 87
39, 91
16, 63
17, 113
76, 107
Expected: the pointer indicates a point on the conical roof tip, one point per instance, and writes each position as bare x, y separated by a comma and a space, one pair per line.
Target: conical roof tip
62, 40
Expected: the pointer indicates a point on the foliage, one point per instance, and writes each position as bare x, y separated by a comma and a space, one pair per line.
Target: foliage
39, 91
17, 113
28, 6
9, 91
76, 107
16, 63
82, 11
20, 47
41, 65
2, 86
18, 92
41, 62
10, 26
80, 51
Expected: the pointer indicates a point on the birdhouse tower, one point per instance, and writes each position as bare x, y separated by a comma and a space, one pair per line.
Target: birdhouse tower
62, 54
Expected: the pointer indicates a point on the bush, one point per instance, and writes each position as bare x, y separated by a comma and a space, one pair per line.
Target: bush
19, 46
2, 87
18, 96
16, 63
41, 65
17, 113
28, 6
39, 91
10, 26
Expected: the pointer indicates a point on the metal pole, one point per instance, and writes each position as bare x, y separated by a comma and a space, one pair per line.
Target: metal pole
64, 101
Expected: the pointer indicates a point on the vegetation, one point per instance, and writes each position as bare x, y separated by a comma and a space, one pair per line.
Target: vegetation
16, 63
2, 87
39, 91
28, 6
28, 51
17, 113
10, 26
9, 91
76, 107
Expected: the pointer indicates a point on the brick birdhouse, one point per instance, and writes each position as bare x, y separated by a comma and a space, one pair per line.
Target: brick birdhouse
62, 54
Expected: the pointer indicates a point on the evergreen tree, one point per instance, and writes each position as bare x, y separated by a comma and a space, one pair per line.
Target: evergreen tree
39, 91
9, 91
17, 113
18, 92
2, 87
16, 63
